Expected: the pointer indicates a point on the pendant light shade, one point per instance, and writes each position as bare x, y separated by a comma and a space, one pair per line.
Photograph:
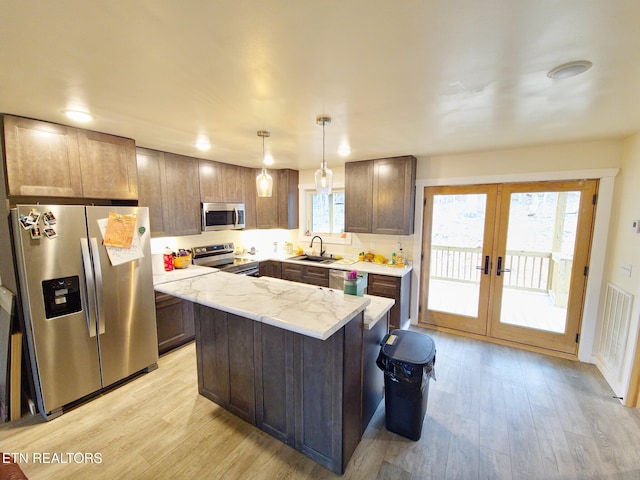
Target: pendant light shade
324, 175
264, 181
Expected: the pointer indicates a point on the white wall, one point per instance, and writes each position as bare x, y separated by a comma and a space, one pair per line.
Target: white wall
624, 249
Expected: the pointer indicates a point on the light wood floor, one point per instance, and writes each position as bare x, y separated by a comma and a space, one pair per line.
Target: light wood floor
494, 412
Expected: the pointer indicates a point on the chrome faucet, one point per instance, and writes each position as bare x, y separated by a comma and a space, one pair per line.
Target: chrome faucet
321, 249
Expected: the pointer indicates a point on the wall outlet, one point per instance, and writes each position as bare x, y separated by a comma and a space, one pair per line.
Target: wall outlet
635, 226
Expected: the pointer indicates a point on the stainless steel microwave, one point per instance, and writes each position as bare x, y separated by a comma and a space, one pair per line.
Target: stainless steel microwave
222, 216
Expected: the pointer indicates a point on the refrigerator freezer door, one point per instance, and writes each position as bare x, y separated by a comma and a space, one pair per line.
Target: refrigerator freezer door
127, 332
64, 356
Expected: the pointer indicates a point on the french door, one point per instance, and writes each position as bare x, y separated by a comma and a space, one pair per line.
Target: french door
508, 261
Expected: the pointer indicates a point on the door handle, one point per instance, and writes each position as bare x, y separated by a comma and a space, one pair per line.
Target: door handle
90, 288
500, 270
99, 286
486, 265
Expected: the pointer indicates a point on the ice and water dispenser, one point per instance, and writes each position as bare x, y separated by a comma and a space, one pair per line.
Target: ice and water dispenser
61, 296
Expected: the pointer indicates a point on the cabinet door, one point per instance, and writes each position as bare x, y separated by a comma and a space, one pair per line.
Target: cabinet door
242, 390
42, 158
271, 268
393, 195
233, 184
107, 166
182, 198
287, 198
249, 197
267, 208
151, 188
174, 321
212, 354
358, 196
211, 181
274, 381
225, 356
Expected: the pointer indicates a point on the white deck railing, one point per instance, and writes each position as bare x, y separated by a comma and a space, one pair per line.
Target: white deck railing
528, 270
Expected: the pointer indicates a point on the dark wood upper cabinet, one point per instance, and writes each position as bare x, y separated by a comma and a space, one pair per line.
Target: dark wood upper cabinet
393, 195
211, 180
107, 166
233, 184
358, 196
42, 158
281, 209
288, 198
50, 160
166, 186
249, 196
151, 188
380, 196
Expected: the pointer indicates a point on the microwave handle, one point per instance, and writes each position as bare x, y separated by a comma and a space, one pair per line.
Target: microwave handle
235, 217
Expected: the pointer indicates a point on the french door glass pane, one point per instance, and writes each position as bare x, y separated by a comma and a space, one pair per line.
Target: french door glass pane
541, 236
456, 249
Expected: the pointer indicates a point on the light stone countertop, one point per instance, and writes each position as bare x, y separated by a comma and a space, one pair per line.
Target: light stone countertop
376, 310
369, 267
181, 274
314, 311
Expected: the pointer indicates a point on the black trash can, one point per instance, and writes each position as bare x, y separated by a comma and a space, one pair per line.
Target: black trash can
407, 359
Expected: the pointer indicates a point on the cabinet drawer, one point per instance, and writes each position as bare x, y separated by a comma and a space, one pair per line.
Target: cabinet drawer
317, 276
383, 286
292, 272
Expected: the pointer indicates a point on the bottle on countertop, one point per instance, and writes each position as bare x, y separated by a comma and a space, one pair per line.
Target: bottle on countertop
167, 258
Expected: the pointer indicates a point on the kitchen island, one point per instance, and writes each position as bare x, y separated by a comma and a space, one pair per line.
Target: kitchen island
284, 356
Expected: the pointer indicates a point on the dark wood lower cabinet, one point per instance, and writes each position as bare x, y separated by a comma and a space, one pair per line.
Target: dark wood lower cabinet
305, 274
372, 376
225, 361
271, 268
398, 288
174, 318
306, 392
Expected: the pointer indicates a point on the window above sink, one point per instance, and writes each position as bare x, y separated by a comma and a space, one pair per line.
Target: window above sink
323, 215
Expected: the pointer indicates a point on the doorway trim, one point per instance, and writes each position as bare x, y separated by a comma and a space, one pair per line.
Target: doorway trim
600, 238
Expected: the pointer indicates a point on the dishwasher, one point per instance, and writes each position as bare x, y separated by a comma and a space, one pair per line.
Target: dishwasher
337, 280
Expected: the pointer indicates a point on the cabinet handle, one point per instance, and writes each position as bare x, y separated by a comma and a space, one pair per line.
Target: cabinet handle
485, 267
500, 269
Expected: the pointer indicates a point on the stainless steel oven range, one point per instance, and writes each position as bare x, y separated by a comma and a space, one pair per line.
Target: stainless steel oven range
223, 257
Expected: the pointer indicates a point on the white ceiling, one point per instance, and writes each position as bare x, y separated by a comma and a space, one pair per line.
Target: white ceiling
398, 77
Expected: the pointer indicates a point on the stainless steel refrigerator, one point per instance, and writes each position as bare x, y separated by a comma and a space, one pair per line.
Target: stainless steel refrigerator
89, 310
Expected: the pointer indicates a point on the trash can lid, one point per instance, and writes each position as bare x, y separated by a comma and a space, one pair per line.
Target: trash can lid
409, 347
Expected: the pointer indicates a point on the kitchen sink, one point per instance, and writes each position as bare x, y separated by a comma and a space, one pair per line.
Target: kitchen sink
314, 258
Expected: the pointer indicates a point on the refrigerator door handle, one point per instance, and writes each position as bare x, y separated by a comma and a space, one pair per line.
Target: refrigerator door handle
99, 292
90, 286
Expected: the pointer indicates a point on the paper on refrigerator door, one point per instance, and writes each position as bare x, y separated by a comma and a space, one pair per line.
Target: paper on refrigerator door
120, 255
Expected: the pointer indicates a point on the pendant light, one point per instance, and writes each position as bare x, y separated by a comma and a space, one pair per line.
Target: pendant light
264, 181
324, 175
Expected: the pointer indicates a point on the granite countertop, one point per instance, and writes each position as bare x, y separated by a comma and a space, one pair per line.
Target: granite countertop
314, 311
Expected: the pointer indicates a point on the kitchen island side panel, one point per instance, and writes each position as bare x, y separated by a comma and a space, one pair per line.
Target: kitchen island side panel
306, 391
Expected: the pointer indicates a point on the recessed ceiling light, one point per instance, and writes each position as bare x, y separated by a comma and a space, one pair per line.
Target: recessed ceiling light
203, 144
78, 116
344, 150
571, 69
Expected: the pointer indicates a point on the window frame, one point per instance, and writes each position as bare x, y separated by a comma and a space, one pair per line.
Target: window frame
305, 192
